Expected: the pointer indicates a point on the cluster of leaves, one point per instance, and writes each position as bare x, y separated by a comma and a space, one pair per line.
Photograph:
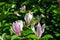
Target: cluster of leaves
47, 7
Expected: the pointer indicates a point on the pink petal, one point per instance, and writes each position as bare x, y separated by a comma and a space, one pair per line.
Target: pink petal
16, 28
43, 28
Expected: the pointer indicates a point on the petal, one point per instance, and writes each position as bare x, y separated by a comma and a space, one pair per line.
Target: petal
39, 30
43, 28
16, 28
28, 17
20, 25
13, 27
39, 25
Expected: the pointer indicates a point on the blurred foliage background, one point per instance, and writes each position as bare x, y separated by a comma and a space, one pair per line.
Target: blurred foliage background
47, 7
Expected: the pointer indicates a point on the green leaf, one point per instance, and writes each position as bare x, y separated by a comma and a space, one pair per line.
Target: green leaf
57, 34
4, 36
55, 11
46, 37
47, 27
26, 32
3, 21
14, 37
26, 2
53, 21
35, 10
1, 3
0, 24
21, 11
42, 10
32, 36
10, 31
33, 21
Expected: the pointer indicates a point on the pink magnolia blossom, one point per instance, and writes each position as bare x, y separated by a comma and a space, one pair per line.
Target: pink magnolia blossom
39, 30
28, 17
17, 27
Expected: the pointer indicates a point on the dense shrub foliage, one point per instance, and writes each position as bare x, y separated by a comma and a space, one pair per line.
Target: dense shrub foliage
49, 8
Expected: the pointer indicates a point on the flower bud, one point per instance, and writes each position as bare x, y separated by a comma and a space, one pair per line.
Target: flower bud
28, 17
39, 29
17, 27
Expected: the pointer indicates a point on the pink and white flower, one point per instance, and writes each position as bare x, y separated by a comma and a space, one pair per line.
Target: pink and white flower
17, 27
39, 29
28, 17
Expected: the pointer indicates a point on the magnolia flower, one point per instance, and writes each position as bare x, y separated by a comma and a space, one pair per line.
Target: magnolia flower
28, 17
17, 14
23, 8
17, 27
13, 5
39, 29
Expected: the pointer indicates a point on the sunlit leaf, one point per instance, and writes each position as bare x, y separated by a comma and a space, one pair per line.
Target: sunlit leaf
4, 36
46, 37
57, 34
32, 36
14, 37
